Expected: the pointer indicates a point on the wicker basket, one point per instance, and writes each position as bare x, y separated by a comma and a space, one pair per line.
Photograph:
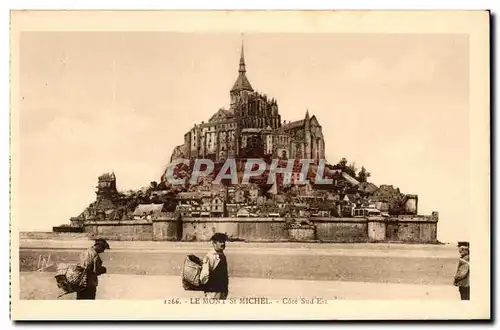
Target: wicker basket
70, 277
191, 273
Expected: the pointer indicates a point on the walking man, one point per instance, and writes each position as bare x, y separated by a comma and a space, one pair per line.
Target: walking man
92, 263
462, 276
214, 275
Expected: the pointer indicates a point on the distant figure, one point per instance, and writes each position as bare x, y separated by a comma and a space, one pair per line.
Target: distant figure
214, 275
92, 263
462, 276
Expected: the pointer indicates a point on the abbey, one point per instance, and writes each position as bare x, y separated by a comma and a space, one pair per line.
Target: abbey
252, 127
346, 209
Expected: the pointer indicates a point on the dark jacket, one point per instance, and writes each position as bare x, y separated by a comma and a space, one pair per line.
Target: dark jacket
214, 275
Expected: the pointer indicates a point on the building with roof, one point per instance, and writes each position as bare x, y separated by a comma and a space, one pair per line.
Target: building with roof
147, 211
251, 127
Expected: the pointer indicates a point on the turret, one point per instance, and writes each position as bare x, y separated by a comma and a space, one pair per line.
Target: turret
106, 184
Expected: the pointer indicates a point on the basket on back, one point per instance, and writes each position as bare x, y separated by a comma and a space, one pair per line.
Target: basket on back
70, 277
190, 275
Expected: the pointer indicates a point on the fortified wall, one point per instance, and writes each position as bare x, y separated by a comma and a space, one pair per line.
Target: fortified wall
404, 229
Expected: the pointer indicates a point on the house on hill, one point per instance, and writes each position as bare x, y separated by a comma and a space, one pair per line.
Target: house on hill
147, 211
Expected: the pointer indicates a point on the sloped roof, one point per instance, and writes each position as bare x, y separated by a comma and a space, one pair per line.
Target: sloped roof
142, 209
107, 177
349, 178
222, 114
242, 83
243, 211
294, 124
314, 121
368, 187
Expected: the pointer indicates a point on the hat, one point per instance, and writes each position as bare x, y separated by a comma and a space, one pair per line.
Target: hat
102, 241
465, 244
219, 237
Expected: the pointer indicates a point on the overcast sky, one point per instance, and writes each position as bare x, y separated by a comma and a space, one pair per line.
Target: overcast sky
104, 101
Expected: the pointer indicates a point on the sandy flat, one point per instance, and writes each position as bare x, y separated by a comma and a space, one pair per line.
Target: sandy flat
150, 287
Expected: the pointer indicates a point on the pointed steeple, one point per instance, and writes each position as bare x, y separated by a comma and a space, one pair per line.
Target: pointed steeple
242, 82
242, 60
307, 114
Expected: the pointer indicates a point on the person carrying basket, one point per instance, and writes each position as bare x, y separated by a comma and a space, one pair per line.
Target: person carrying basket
214, 275
92, 263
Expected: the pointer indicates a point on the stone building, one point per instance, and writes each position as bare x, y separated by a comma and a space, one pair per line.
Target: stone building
251, 127
106, 192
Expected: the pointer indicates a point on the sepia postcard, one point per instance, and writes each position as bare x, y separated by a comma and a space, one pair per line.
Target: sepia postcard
250, 165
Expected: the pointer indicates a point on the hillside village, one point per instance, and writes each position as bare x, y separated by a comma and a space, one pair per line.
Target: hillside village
350, 195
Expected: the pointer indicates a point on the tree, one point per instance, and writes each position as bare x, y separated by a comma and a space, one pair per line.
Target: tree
343, 162
162, 186
352, 167
363, 174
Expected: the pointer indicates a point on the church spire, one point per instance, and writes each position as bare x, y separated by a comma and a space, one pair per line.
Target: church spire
242, 60
242, 82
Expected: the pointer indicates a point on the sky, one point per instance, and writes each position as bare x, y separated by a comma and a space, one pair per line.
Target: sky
95, 102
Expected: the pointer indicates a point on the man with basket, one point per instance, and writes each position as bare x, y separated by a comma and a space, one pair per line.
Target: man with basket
214, 275
82, 277
92, 264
